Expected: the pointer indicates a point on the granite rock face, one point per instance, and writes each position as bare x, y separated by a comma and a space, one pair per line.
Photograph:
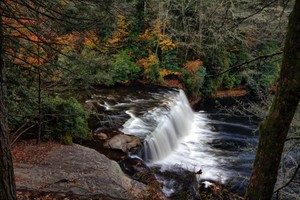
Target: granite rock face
79, 171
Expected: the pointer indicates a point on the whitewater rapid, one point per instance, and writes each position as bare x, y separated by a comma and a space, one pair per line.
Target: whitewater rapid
180, 137
174, 135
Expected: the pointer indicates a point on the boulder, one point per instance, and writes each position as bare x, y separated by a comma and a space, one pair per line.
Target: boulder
80, 172
123, 142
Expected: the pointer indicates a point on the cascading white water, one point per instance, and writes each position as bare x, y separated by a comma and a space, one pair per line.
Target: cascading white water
170, 129
174, 135
173, 121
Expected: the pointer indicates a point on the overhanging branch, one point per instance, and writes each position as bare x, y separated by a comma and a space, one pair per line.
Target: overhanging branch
263, 57
291, 179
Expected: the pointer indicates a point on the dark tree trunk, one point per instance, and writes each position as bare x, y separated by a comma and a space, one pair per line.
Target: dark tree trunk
7, 182
273, 130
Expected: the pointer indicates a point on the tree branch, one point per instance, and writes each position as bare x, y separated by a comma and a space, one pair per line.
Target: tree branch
292, 138
250, 61
291, 179
251, 15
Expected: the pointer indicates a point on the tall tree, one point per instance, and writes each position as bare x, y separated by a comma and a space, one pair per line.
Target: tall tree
7, 183
18, 37
273, 130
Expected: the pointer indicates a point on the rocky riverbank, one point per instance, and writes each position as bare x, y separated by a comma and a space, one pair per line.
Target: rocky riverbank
51, 170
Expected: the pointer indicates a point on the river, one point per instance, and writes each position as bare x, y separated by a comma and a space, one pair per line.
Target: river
218, 143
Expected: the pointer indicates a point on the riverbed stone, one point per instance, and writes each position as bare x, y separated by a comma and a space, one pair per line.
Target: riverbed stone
79, 171
101, 136
123, 142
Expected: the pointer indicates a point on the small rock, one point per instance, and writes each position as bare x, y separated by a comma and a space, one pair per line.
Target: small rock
123, 142
101, 136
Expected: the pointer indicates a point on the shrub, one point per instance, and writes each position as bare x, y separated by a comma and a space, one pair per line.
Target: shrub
194, 77
88, 67
64, 120
150, 66
124, 69
169, 60
67, 139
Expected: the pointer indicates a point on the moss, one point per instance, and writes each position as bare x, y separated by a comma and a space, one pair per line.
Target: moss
67, 139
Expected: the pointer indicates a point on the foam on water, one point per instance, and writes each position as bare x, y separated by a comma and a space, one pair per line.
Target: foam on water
173, 134
181, 136
194, 153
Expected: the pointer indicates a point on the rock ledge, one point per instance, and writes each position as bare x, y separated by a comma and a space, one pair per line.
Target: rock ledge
78, 171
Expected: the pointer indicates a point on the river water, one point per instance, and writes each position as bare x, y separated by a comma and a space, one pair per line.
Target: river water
218, 143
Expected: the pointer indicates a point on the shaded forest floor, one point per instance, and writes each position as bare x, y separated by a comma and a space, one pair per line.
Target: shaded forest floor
27, 151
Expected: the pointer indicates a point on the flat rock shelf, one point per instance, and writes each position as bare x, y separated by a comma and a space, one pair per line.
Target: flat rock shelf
79, 172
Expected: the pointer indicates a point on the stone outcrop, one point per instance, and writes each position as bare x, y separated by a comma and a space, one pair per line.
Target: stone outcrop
78, 171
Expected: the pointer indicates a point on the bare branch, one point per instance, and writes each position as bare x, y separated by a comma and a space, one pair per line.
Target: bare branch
253, 14
236, 67
292, 138
20, 133
291, 179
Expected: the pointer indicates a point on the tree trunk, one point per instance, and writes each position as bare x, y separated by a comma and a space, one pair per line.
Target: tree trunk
7, 182
273, 130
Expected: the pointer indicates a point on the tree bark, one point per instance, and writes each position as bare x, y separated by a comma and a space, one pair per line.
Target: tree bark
7, 182
273, 130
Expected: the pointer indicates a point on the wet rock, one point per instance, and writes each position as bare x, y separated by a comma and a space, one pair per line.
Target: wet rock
101, 136
215, 191
138, 170
123, 142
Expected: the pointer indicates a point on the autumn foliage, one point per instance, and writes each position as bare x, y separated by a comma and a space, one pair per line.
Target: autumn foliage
193, 66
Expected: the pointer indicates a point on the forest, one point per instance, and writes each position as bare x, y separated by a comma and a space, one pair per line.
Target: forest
54, 51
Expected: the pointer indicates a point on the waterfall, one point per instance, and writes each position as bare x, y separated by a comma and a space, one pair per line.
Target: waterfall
173, 121
171, 127
174, 135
